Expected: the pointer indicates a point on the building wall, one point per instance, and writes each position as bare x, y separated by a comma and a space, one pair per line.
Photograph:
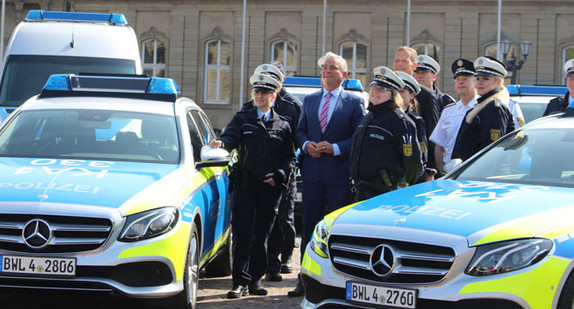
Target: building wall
460, 28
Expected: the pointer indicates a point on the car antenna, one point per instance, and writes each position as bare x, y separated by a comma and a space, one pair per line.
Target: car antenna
72, 42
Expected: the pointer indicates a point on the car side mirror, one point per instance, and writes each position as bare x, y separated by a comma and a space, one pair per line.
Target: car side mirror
212, 157
451, 165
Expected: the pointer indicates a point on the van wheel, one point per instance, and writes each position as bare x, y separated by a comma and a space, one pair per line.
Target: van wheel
221, 265
187, 298
566, 300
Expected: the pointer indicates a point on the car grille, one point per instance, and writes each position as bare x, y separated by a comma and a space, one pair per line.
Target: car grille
407, 262
69, 234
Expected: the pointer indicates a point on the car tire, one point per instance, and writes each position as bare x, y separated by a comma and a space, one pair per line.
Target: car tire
566, 300
222, 264
187, 298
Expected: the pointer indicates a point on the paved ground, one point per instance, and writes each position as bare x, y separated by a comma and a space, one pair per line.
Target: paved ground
212, 292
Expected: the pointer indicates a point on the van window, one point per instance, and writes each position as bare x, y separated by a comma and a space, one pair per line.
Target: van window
25, 75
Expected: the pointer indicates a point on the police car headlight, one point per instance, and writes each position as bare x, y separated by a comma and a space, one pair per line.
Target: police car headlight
149, 224
508, 256
319, 240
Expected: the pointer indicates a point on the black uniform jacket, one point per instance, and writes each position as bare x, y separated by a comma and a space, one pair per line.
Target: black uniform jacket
557, 105
487, 121
385, 141
430, 106
263, 147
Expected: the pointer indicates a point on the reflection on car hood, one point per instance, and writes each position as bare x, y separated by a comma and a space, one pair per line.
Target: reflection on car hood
100, 183
482, 211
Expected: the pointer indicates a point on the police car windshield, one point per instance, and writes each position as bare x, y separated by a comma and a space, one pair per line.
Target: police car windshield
25, 75
533, 156
91, 134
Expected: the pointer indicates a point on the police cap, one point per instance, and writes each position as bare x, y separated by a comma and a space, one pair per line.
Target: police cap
385, 77
271, 70
488, 66
462, 67
264, 83
427, 63
410, 82
569, 67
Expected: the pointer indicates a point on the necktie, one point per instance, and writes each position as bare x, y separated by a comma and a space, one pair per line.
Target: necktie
325, 113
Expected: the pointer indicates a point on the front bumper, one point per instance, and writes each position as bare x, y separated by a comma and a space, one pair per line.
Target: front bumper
151, 268
537, 286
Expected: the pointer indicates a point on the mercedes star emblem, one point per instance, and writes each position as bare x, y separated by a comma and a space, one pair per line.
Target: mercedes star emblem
37, 233
382, 260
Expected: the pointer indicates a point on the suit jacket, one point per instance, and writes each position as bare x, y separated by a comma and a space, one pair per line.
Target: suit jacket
347, 115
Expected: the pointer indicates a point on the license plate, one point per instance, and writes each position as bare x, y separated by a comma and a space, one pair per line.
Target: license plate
380, 295
38, 265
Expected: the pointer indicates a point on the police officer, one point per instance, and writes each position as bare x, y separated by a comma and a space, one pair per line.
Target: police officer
426, 73
559, 104
282, 238
446, 130
264, 142
410, 107
385, 154
490, 118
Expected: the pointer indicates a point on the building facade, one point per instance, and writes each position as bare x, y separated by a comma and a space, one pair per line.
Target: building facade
204, 44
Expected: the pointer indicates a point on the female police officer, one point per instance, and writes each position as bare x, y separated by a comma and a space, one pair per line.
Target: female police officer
265, 146
385, 154
411, 108
490, 118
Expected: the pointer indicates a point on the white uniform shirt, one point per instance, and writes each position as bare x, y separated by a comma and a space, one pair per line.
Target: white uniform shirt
516, 114
446, 130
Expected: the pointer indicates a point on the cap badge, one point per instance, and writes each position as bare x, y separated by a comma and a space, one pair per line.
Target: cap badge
459, 63
264, 67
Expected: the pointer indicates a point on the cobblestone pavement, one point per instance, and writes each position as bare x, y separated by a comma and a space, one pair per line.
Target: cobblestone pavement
213, 291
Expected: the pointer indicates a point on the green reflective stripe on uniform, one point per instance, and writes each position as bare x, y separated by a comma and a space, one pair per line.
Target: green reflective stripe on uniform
310, 265
219, 243
539, 293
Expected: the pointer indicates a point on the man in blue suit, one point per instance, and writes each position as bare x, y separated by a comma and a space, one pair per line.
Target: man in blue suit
325, 132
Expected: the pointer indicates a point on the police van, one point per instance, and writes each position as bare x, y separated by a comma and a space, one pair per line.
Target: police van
49, 42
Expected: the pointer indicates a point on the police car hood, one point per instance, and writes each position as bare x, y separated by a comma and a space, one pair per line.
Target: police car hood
480, 211
83, 182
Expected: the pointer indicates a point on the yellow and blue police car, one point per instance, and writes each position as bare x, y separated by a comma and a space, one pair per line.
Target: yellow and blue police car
108, 186
496, 232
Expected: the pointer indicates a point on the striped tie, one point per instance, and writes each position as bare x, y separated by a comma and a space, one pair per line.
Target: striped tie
325, 113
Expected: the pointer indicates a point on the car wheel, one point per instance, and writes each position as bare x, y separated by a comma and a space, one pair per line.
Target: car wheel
566, 300
221, 265
187, 298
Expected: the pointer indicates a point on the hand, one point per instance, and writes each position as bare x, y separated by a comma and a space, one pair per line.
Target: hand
269, 179
215, 143
312, 149
326, 147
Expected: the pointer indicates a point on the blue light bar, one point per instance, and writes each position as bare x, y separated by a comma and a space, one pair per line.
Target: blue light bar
116, 19
304, 81
162, 85
121, 84
536, 90
59, 82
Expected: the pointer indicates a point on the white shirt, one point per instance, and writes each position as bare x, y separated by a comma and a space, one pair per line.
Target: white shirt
516, 114
446, 130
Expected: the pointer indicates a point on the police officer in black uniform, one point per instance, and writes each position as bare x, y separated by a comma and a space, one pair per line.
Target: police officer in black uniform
385, 154
282, 238
559, 104
264, 142
490, 118
410, 107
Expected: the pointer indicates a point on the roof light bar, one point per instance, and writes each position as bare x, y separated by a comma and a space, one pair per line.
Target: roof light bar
116, 19
112, 83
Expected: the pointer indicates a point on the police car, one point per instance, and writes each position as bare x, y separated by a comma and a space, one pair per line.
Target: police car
533, 99
496, 232
107, 186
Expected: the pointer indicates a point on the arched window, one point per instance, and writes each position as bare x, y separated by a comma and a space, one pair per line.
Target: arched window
429, 49
153, 57
356, 55
217, 72
285, 52
567, 54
